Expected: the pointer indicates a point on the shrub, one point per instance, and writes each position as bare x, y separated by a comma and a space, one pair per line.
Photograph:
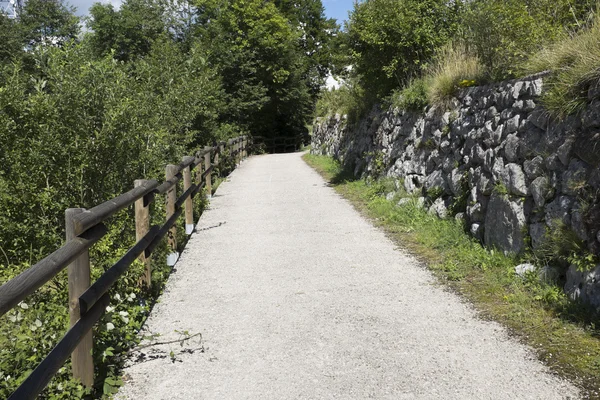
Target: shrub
412, 97
504, 33
392, 40
350, 100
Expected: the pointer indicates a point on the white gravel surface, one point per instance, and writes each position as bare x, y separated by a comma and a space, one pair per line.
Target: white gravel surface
297, 296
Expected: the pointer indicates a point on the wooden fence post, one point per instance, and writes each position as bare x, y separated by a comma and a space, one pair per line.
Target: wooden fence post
79, 280
189, 204
209, 175
142, 226
171, 198
217, 155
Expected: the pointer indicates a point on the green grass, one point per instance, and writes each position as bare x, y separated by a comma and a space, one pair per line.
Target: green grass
575, 65
453, 68
563, 334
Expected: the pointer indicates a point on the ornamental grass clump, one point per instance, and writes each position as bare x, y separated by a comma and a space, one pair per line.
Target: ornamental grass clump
574, 63
454, 67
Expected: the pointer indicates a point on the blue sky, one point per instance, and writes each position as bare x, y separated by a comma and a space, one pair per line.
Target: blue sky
337, 9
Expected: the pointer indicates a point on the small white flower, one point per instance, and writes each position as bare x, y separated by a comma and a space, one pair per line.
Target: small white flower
131, 296
33, 328
60, 386
38, 323
117, 296
23, 305
13, 318
123, 313
110, 309
110, 326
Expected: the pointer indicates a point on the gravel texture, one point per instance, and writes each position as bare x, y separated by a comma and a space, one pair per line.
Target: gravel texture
297, 296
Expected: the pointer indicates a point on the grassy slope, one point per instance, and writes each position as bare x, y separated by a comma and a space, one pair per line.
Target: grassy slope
564, 336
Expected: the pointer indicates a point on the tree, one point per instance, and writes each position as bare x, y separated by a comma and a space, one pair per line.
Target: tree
315, 37
11, 44
49, 22
391, 41
256, 51
130, 31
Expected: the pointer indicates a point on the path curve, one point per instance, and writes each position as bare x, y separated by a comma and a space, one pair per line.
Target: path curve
299, 297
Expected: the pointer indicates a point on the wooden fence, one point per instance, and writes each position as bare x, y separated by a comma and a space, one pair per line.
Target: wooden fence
88, 302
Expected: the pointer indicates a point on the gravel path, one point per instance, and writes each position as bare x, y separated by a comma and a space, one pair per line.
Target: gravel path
299, 297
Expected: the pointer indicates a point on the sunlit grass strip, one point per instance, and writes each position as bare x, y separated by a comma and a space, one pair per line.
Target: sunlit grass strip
539, 314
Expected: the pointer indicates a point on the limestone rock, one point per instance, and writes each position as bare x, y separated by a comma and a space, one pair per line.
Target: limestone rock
584, 285
591, 115
511, 147
404, 201
559, 209
484, 184
517, 185
537, 232
523, 269
439, 208
564, 151
477, 230
504, 221
540, 190
512, 124
534, 167
435, 180
575, 177
539, 118
475, 212
412, 183
455, 181
577, 223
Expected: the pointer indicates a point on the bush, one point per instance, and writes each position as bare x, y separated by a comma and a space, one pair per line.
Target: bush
504, 33
412, 97
391, 41
350, 100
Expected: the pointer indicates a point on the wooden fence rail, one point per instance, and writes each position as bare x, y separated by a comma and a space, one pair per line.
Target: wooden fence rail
87, 302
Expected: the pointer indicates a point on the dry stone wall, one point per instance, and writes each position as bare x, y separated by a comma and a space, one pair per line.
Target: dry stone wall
519, 177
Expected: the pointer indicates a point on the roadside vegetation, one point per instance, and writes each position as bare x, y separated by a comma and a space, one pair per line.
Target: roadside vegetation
415, 53
85, 113
564, 335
